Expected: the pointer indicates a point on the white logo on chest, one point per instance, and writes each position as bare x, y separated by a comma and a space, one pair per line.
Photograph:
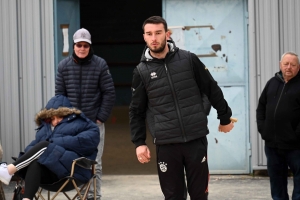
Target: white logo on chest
153, 75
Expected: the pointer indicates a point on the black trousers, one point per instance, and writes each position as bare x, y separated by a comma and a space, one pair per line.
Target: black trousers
278, 161
175, 159
35, 173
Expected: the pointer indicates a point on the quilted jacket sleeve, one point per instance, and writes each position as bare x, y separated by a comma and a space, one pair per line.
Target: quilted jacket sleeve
108, 92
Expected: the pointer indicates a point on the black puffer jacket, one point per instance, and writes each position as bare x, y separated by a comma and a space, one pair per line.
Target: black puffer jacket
278, 113
88, 86
171, 99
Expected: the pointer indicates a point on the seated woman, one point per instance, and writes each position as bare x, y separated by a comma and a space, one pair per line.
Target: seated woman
63, 134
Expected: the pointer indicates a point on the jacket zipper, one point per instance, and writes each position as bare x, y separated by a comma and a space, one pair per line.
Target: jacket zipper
176, 104
276, 109
80, 82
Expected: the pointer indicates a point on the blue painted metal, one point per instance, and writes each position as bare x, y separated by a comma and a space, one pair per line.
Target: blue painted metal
65, 12
216, 31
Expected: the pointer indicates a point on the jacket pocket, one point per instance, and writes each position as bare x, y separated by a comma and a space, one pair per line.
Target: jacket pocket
286, 133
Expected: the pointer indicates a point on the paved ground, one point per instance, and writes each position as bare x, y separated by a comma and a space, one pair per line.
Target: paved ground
146, 187
124, 177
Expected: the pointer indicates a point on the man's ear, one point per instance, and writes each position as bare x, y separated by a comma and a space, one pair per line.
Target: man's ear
168, 35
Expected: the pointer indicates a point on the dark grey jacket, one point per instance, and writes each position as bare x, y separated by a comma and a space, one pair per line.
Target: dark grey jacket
171, 100
88, 86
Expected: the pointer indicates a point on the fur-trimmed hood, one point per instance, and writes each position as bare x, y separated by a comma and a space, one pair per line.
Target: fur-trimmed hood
57, 106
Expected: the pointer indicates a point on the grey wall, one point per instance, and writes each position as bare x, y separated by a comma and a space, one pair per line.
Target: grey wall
26, 69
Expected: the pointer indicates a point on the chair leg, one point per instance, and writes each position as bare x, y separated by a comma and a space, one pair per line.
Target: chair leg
87, 186
58, 191
39, 194
77, 190
94, 180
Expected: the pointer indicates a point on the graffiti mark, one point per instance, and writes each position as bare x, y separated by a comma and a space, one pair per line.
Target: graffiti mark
212, 54
204, 26
219, 68
216, 140
216, 47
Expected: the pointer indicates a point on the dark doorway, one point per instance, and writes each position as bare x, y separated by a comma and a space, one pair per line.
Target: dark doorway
116, 29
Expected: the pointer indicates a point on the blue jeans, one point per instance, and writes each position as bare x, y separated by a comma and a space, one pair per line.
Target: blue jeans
278, 161
99, 165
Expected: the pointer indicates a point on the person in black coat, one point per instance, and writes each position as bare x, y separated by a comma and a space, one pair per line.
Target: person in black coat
165, 93
64, 134
86, 80
278, 122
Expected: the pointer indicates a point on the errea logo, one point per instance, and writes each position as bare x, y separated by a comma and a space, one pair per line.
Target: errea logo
153, 75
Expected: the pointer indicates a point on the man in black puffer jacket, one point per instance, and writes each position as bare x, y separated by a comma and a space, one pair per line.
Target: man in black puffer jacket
85, 79
166, 94
278, 122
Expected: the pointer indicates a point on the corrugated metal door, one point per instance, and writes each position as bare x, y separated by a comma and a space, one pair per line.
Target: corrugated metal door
217, 32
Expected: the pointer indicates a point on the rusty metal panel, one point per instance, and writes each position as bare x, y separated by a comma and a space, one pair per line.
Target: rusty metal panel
216, 31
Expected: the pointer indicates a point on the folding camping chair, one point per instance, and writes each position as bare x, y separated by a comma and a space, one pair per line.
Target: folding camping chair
69, 183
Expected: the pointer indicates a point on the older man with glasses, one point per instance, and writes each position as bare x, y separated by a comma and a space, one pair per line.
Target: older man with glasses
85, 79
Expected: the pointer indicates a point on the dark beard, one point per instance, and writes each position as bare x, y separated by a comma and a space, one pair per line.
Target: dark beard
160, 49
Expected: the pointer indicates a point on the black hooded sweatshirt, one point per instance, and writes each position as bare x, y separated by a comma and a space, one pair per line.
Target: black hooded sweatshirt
278, 113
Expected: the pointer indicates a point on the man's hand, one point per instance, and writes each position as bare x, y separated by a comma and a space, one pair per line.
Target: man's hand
226, 128
143, 154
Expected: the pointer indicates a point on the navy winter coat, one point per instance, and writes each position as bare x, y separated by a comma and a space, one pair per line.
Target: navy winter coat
75, 136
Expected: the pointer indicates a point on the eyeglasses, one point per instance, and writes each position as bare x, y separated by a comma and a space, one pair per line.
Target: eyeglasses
82, 45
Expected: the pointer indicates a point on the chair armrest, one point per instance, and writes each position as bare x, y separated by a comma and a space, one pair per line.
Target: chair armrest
84, 162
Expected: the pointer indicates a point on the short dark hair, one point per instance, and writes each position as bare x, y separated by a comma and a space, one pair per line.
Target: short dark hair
156, 20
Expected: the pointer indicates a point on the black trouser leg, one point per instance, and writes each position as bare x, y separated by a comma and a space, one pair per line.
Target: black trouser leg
172, 159
170, 171
31, 155
196, 168
35, 175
